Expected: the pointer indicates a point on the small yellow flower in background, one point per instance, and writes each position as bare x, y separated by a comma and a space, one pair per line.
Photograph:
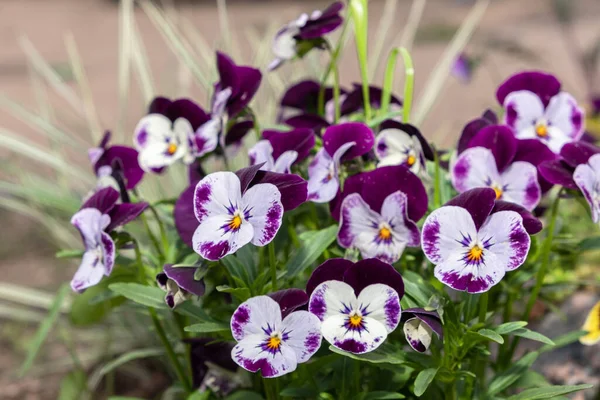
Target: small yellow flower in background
592, 326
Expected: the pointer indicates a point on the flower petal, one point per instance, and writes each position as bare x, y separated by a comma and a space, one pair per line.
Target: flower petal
523, 109
471, 278
323, 182
532, 224
475, 168
443, 231
535, 152
395, 211
127, 157
505, 236
471, 129
264, 211
214, 240
215, 194
585, 178
184, 278
382, 304
393, 142
292, 187
188, 110
331, 270
103, 200
90, 272
478, 202
289, 300
108, 252
353, 340
312, 121
577, 153
249, 354
413, 131
564, 113
122, 214
302, 332
304, 96
557, 172
330, 298
372, 271
284, 163
301, 140
358, 223
237, 131
338, 135
262, 153
500, 139
183, 215
542, 85
253, 315
90, 223
418, 334
521, 185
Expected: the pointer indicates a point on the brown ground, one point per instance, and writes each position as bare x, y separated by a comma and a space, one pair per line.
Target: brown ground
94, 23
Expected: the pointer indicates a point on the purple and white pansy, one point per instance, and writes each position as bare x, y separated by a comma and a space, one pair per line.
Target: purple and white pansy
341, 142
98, 216
279, 150
108, 161
402, 144
537, 109
490, 162
420, 326
560, 171
587, 178
268, 341
179, 283
357, 303
304, 33
474, 240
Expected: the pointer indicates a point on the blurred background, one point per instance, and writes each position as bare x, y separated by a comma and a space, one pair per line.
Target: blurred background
66, 75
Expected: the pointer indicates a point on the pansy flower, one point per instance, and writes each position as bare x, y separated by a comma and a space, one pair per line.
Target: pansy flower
402, 144
420, 326
179, 283
537, 109
237, 83
340, 143
358, 303
300, 105
354, 100
106, 159
561, 171
279, 150
489, 162
99, 216
474, 240
305, 33
269, 342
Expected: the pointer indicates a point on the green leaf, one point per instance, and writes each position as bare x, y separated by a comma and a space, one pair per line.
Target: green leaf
69, 254
531, 379
145, 295
128, 357
73, 385
44, 329
310, 251
423, 380
383, 354
509, 327
197, 395
244, 395
563, 340
490, 335
548, 392
236, 269
207, 327
380, 395
416, 287
512, 374
590, 243
242, 294
531, 335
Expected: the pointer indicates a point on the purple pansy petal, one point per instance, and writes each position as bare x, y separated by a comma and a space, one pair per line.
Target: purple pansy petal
500, 140
108, 252
372, 271
253, 314
250, 79
557, 172
189, 110
354, 100
585, 177
184, 278
103, 200
328, 21
508, 240
183, 215
215, 194
577, 153
475, 168
237, 131
419, 329
293, 188
303, 96
264, 211
382, 304
521, 185
206, 350
564, 114
478, 202
122, 214
473, 127
228, 77
128, 158
289, 300
311, 121
462, 69
247, 175
331, 270
531, 223
159, 105
303, 334
338, 135
431, 318
542, 85
535, 152
300, 140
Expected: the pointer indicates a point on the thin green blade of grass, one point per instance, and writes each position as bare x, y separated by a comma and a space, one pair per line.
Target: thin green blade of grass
47, 196
30, 297
21, 314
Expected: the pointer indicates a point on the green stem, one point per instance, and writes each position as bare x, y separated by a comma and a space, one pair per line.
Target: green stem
332, 61
483, 305
409, 73
163, 233
336, 94
273, 265
170, 352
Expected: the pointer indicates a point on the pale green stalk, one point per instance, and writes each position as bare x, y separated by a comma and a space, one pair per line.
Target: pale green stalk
360, 17
412, 24
125, 39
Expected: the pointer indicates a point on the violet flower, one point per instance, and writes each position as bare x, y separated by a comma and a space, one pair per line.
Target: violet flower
537, 109
419, 327
354, 101
474, 240
560, 171
237, 83
300, 104
340, 142
490, 162
98, 216
358, 303
305, 33
269, 342
179, 283
279, 150
402, 144
105, 159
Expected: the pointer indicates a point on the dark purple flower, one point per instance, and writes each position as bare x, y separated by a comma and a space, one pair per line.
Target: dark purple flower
402, 144
305, 33
473, 243
354, 101
280, 150
105, 159
179, 283
473, 127
419, 327
98, 216
311, 121
560, 171
358, 303
243, 82
304, 97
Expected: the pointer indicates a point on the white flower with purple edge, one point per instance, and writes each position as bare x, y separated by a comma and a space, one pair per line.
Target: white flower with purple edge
358, 303
270, 342
402, 144
229, 218
474, 240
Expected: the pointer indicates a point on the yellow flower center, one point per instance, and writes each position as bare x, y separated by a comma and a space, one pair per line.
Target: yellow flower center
172, 149
411, 160
541, 130
385, 233
235, 222
475, 253
498, 191
274, 342
355, 321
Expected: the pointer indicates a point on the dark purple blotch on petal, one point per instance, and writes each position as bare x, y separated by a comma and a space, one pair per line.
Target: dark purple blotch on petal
337, 135
372, 271
289, 300
184, 278
351, 346
530, 222
331, 270
478, 202
545, 86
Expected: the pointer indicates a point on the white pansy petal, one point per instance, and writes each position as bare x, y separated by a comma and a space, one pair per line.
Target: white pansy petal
395, 211
220, 102
444, 230
153, 128
564, 113
353, 340
520, 185
339, 153
254, 315
90, 271
331, 298
217, 194
262, 152
504, 235
382, 304
214, 239
461, 275
251, 355
323, 181
301, 331
284, 44
585, 178
523, 109
474, 167
285, 161
91, 223
418, 334
357, 219
155, 156
207, 137
262, 208
556, 139
393, 142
